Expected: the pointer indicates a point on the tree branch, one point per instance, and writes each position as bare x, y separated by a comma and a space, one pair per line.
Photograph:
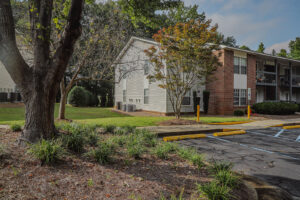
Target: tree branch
9, 53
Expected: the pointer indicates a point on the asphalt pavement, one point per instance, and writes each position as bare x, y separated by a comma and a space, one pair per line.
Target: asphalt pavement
271, 154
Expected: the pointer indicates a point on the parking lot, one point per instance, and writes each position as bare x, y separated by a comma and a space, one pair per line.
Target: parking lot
271, 154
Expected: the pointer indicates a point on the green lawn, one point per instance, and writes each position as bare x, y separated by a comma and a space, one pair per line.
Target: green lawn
102, 116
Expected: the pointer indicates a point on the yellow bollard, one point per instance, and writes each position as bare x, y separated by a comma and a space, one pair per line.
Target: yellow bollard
249, 110
198, 113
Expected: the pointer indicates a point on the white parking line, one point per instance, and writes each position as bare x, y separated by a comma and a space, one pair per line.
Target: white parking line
278, 134
298, 139
255, 148
251, 132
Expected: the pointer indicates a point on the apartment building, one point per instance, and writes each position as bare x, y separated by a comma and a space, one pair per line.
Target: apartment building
245, 77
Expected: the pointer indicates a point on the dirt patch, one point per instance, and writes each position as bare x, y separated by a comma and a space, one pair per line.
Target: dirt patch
172, 122
11, 105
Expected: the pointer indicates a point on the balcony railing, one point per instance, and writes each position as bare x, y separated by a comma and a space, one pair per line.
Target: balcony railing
265, 78
296, 80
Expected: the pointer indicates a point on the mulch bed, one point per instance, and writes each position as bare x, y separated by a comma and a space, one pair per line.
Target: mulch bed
172, 122
76, 177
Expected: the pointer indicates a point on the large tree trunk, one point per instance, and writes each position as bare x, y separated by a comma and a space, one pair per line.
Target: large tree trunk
62, 106
39, 113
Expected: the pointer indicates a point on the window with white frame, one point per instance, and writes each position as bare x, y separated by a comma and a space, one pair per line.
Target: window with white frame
240, 97
146, 67
146, 96
240, 65
124, 95
186, 101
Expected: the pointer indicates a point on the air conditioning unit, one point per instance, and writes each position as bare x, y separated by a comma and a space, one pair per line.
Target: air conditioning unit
124, 107
119, 105
131, 108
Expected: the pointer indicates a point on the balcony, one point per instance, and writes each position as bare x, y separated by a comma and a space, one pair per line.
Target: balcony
296, 81
266, 78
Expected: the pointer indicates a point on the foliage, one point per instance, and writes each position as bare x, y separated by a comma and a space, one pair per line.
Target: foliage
227, 178
215, 191
187, 53
192, 155
282, 53
261, 48
275, 108
77, 97
47, 151
238, 113
92, 138
74, 142
2, 151
228, 41
146, 137
162, 150
206, 100
15, 127
294, 46
109, 128
197, 160
102, 154
135, 147
244, 47
218, 166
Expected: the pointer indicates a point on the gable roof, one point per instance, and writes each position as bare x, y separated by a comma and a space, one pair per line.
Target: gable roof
150, 41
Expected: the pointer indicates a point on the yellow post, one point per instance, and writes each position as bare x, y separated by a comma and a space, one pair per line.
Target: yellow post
249, 110
198, 113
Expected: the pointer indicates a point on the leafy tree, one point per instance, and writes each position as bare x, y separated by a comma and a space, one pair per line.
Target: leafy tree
38, 83
244, 47
282, 53
185, 58
273, 52
261, 48
228, 41
294, 46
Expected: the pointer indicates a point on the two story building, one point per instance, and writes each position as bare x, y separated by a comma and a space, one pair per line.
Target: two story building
245, 77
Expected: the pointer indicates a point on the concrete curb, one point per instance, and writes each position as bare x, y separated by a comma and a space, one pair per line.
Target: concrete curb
182, 137
217, 134
291, 127
231, 123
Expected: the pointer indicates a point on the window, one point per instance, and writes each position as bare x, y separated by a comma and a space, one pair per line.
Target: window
146, 96
146, 67
240, 97
124, 95
186, 101
240, 65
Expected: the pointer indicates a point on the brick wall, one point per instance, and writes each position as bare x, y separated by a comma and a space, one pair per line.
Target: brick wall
251, 77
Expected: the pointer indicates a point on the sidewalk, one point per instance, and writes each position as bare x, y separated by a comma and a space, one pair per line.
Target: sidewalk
205, 127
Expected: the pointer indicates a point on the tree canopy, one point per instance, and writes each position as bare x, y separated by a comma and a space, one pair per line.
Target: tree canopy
294, 46
261, 48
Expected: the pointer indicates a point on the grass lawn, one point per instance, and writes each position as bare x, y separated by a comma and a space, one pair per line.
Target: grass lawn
101, 116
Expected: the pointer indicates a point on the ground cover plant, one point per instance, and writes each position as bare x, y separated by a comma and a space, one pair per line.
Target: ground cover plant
133, 163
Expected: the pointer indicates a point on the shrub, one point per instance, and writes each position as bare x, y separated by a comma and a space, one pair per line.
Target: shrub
163, 149
15, 127
78, 97
205, 100
275, 108
197, 160
74, 142
220, 166
92, 139
215, 191
135, 147
102, 154
119, 140
227, 178
128, 129
109, 128
2, 150
146, 137
238, 113
46, 151
186, 153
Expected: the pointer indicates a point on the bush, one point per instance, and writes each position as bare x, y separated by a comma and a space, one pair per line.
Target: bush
119, 140
220, 166
227, 178
74, 142
135, 147
109, 128
163, 149
15, 127
215, 191
197, 160
146, 138
77, 97
92, 139
46, 151
205, 100
275, 108
102, 154
238, 113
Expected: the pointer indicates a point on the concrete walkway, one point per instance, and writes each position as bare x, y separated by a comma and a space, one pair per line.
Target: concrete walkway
259, 124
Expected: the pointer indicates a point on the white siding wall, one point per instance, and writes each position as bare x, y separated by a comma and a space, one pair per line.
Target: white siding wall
6, 83
240, 80
136, 81
259, 94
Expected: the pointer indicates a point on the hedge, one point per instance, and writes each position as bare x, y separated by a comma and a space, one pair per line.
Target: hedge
238, 113
275, 108
205, 100
80, 97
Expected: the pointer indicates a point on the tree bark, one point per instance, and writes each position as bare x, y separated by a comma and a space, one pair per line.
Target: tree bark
63, 100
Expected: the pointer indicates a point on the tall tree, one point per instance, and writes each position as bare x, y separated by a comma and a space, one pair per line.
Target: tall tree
244, 47
38, 83
228, 41
273, 52
261, 48
185, 57
282, 53
294, 46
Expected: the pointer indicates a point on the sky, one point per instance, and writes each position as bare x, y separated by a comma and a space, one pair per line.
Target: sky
273, 22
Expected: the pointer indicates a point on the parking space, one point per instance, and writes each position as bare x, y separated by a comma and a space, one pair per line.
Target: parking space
270, 154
